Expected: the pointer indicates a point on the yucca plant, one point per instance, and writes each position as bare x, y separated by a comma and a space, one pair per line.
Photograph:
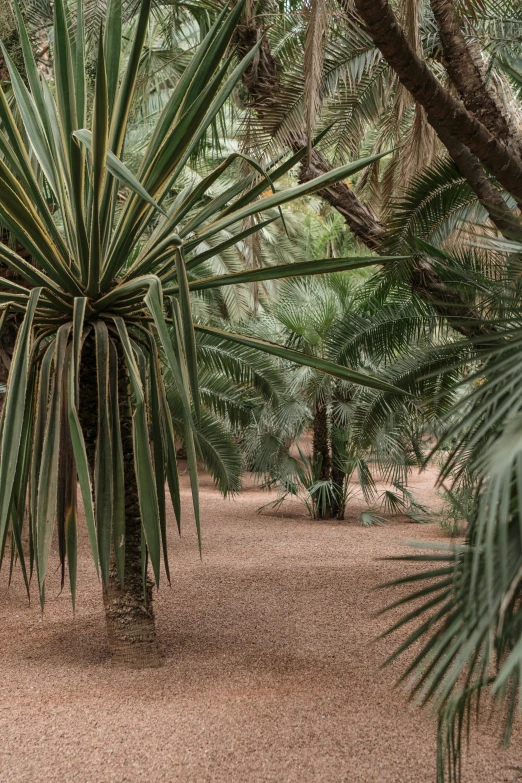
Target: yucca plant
106, 305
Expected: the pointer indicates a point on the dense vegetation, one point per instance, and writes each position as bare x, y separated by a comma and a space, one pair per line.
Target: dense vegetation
226, 226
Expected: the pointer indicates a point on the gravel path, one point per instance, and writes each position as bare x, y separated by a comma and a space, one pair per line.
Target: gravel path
272, 669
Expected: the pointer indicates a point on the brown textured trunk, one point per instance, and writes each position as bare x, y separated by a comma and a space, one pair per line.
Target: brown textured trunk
367, 227
338, 479
359, 217
442, 109
321, 448
490, 197
464, 64
128, 609
338, 473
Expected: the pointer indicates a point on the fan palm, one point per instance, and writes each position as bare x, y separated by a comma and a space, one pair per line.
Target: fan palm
106, 305
353, 430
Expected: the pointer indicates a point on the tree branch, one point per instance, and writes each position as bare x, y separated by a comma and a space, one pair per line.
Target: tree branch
442, 109
489, 196
360, 218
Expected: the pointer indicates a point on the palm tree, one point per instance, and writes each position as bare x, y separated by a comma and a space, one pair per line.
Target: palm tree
354, 430
106, 304
467, 620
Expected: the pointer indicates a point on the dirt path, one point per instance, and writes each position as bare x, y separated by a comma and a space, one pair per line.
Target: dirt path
272, 671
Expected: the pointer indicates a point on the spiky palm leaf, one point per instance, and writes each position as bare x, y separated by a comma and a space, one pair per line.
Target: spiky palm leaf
468, 623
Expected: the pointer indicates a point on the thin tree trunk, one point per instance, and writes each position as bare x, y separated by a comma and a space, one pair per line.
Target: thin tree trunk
338, 479
338, 469
128, 610
321, 448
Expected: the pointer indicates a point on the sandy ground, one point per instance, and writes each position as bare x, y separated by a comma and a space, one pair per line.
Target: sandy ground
272, 669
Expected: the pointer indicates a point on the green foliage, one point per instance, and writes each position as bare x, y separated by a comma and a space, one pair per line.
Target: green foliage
153, 243
371, 431
468, 623
111, 250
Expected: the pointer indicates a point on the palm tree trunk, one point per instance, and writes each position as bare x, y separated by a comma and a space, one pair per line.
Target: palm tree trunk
442, 109
321, 448
338, 479
128, 609
465, 66
338, 470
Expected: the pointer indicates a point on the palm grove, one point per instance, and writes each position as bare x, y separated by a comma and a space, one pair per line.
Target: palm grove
226, 226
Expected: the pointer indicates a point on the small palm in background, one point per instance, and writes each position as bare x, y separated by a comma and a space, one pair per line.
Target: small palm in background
354, 434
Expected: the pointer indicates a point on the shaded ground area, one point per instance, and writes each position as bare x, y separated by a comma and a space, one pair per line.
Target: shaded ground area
272, 670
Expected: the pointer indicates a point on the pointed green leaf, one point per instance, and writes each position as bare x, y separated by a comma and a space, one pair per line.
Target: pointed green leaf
15, 408
195, 76
212, 208
119, 170
33, 124
18, 505
307, 360
285, 196
220, 247
112, 49
126, 91
189, 432
319, 267
44, 385
100, 128
64, 75
158, 445
79, 66
46, 504
189, 337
